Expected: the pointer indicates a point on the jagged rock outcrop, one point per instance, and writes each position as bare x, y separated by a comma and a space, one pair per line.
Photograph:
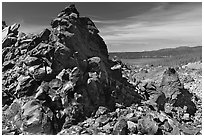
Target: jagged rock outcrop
174, 94
9, 35
65, 70
61, 81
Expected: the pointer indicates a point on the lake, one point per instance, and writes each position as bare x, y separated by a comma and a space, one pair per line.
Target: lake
141, 61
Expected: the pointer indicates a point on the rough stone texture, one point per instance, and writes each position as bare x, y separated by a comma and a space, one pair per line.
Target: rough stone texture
174, 93
121, 127
66, 69
61, 81
147, 125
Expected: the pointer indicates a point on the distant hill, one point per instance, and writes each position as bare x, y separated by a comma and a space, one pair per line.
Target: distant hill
168, 52
163, 57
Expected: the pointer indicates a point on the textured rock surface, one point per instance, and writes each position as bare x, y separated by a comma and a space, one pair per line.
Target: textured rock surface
65, 68
174, 93
61, 81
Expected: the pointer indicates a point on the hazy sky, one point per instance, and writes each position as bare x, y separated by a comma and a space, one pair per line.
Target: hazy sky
124, 26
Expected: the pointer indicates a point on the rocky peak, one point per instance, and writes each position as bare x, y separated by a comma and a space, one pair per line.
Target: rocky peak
61, 81
65, 68
79, 34
69, 10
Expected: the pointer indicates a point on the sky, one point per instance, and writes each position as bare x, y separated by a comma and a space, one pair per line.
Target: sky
124, 26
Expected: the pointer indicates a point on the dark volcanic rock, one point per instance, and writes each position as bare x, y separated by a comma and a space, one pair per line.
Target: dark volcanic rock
170, 83
9, 35
174, 93
61, 81
65, 71
37, 120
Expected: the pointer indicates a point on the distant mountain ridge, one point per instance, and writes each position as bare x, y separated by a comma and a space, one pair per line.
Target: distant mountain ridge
162, 53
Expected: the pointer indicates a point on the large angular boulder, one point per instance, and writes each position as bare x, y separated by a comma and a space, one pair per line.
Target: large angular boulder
173, 93
35, 119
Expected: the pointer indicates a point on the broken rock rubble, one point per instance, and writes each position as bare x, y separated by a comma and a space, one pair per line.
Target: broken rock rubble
62, 82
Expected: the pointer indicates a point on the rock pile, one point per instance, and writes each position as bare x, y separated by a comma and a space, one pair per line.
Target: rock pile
61, 81
62, 74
